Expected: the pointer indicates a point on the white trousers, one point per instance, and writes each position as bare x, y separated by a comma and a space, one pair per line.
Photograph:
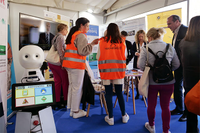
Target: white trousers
75, 77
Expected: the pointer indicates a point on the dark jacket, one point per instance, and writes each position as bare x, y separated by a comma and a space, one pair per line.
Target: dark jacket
129, 53
181, 34
190, 59
42, 39
133, 50
88, 91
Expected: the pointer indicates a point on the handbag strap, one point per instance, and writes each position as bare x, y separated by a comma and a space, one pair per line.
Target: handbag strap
54, 42
55, 38
147, 55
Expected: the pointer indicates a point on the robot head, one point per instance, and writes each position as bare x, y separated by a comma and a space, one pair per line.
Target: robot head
31, 57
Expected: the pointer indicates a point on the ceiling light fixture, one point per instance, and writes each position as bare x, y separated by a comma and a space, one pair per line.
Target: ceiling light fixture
90, 10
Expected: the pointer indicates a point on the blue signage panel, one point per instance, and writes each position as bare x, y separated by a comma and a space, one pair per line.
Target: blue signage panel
93, 31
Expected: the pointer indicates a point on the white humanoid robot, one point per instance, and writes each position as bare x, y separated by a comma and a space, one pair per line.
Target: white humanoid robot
31, 57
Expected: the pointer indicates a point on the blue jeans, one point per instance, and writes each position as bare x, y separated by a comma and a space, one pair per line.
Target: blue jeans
109, 94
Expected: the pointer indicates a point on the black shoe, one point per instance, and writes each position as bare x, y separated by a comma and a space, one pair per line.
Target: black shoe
65, 103
175, 112
183, 118
57, 106
137, 96
53, 107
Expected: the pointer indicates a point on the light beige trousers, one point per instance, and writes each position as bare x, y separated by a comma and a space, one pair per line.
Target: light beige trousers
75, 77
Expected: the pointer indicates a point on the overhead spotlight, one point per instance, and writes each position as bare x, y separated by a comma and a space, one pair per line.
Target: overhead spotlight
90, 10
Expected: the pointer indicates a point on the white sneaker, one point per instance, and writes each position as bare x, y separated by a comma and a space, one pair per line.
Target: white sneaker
81, 113
150, 128
110, 121
125, 118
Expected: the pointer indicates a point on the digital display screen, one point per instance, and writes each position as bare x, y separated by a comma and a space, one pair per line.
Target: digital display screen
29, 95
34, 30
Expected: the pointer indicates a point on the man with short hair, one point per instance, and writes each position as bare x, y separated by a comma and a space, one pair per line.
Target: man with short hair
179, 30
124, 34
46, 37
129, 57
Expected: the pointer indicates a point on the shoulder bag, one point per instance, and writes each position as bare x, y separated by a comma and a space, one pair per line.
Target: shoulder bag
143, 85
53, 56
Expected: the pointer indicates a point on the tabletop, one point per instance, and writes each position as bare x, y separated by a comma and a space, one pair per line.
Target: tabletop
134, 72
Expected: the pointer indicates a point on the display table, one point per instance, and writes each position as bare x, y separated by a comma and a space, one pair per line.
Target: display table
131, 75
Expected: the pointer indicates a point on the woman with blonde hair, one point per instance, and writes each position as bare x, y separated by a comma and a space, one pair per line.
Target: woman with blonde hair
60, 74
140, 40
165, 89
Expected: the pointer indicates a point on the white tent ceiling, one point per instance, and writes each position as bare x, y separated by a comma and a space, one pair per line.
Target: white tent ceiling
103, 7
98, 6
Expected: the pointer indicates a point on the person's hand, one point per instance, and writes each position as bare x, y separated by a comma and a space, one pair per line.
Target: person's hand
95, 41
137, 54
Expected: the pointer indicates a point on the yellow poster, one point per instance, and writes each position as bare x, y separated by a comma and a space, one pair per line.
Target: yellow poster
160, 20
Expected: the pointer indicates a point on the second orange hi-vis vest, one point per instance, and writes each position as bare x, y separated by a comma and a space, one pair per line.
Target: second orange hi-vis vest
112, 60
71, 58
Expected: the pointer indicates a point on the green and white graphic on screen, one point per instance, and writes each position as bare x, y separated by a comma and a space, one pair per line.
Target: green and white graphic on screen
33, 95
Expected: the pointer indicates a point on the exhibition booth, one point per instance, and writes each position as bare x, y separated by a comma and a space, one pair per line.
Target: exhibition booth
26, 83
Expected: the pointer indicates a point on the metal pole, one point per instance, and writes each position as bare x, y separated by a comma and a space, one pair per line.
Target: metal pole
188, 10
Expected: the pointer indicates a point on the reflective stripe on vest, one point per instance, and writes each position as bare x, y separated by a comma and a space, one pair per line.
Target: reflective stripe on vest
111, 61
113, 70
71, 51
72, 59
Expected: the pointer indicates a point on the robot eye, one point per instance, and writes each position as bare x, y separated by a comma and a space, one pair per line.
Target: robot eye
26, 56
36, 56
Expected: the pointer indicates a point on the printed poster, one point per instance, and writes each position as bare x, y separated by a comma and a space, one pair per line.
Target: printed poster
11, 74
132, 26
93, 33
3, 54
160, 20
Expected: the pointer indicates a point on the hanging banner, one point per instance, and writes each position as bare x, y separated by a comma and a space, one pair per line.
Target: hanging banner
10, 74
132, 26
160, 20
93, 33
3, 54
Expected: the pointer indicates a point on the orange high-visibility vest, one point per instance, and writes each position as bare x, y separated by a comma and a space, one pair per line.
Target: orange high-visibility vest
71, 58
112, 60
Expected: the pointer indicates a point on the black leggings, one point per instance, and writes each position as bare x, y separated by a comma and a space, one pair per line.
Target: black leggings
109, 94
